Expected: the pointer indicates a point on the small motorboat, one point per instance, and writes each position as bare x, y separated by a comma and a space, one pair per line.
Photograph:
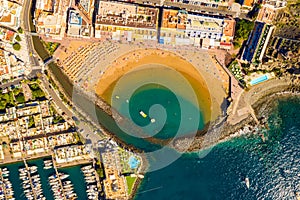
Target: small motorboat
247, 182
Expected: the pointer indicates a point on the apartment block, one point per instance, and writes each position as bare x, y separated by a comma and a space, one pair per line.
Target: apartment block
206, 31
10, 14
118, 20
86, 7
77, 26
50, 17
256, 45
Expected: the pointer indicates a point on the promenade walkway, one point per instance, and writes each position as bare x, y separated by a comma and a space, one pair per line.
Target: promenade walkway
241, 107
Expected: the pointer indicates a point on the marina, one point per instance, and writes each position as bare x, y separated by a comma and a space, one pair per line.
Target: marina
40, 180
91, 182
6, 190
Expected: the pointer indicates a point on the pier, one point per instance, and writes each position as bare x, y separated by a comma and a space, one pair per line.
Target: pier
4, 188
30, 180
59, 180
252, 113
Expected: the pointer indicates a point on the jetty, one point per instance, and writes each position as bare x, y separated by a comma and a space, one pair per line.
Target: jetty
30, 180
252, 113
59, 180
4, 188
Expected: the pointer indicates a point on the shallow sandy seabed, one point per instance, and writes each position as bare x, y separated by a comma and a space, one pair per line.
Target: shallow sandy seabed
137, 58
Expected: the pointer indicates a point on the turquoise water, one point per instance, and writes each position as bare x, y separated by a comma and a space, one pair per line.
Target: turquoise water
76, 177
170, 119
161, 104
273, 167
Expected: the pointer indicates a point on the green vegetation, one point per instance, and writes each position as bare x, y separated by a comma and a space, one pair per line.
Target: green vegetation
243, 29
58, 119
20, 98
37, 92
20, 30
16, 91
51, 46
99, 169
287, 21
236, 44
77, 138
277, 72
64, 81
16, 46
100, 172
31, 122
130, 182
52, 110
124, 157
6, 100
236, 70
18, 38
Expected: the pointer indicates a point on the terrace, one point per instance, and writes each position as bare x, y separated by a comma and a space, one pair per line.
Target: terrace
28, 110
207, 31
62, 139
16, 148
51, 21
72, 153
7, 129
35, 146
174, 19
56, 127
263, 42
86, 7
45, 5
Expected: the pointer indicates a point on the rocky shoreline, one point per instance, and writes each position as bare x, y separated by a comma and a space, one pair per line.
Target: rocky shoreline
263, 106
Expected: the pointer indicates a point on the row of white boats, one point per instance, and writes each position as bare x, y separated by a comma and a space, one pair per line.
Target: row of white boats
6, 190
31, 183
90, 178
48, 164
63, 189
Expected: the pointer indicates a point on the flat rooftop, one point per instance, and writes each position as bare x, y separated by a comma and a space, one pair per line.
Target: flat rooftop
75, 18
120, 14
183, 20
229, 27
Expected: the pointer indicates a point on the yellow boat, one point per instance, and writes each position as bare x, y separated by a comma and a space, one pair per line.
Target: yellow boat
143, 114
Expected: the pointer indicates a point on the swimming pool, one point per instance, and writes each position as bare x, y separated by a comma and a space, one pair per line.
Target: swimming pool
259, 80
133, 162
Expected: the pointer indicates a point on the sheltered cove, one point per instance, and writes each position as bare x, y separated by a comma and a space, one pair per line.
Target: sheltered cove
135, 59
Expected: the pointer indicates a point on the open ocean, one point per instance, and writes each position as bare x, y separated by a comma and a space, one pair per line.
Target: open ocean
273, 167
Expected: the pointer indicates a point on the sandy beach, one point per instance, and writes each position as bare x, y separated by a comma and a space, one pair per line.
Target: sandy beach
135, 59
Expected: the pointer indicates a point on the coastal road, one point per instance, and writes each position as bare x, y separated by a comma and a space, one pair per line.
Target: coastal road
84, 129
33, 57
6, 85
55, 97
87, 131
34, 60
